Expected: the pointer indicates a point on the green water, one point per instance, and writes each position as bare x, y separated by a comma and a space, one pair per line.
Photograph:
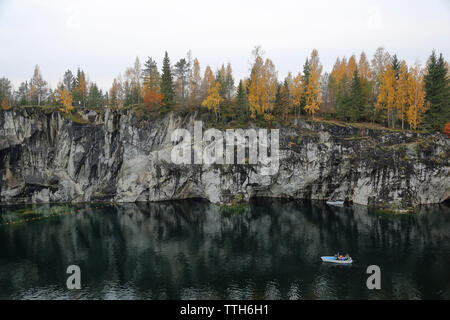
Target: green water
196, 250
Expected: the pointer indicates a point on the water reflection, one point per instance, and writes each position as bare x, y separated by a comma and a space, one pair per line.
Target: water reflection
196, 250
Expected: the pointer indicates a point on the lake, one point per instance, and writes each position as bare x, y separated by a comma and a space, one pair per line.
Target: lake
193, 249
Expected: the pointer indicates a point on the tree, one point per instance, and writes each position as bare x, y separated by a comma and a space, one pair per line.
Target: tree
282, 101
242, 100
208, 82
195, 83
213, 100
437, 90
447, 129
132, 84
152, 99
396, 65
401, 99
229, 82
5, 93
150, 75
263, 87
95, 96
415, 97
22, 94
167, 87
151, 94
364, 67
380, 62
181, 71
116, 94
312, 92
64, 98
68, 80
80, 88
387, 91
298, 90
356, 97
38, 87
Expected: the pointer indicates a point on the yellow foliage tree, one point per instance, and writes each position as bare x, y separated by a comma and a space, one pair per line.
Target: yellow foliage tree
312, 92
401, 93
350, 67
5, 104
298, 89
415, 97
364, 67
386, 92
65, 99
213, 100
263, 87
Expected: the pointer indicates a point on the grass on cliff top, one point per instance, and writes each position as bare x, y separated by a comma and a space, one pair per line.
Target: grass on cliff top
75, 117
230, 120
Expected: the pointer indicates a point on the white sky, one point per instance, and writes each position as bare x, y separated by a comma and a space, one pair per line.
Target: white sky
104, 37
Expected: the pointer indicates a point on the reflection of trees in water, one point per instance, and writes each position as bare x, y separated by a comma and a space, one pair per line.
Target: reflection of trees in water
271, 249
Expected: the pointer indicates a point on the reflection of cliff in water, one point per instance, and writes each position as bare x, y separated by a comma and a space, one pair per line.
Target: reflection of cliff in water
192, 249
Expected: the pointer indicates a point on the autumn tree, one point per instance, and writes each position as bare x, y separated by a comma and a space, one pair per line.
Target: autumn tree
64, 98
150, 75
447, 129
298, 90
152, 99
213, 100
415, 97
150, 92
401, 98
263, 87
387, 92
312, 92
380, 62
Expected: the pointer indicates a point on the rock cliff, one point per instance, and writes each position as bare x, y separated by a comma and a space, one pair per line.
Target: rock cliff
46, 156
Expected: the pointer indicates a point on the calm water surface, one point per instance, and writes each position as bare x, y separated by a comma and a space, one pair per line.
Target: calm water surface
196, 250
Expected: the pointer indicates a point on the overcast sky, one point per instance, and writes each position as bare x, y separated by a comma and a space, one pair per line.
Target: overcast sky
104, 37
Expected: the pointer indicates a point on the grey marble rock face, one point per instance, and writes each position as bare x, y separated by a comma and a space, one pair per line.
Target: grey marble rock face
116, 156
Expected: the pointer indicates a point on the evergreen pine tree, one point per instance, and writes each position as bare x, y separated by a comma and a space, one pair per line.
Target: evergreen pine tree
437, 90
167, 87
357, 103
396, 65
242, 101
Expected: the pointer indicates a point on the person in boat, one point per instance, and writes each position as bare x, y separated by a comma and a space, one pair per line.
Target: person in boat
347, 257
336, 256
